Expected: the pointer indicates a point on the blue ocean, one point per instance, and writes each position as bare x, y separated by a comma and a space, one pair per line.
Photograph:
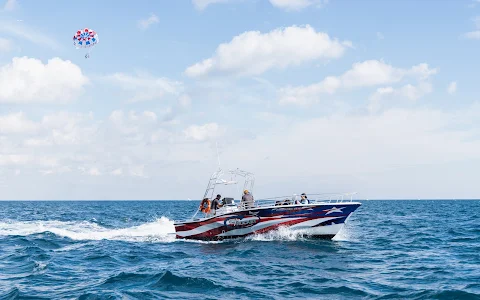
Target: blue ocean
127, 250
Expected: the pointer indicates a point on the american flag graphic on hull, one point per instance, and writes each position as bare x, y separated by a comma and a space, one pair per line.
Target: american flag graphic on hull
315, 218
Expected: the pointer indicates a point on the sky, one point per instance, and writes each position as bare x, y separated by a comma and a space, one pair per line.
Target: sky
375, 97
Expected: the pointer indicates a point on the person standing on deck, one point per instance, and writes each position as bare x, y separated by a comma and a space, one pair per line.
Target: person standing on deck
247, 200
216, 204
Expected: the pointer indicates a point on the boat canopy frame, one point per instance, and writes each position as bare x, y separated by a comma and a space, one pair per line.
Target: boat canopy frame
216, 179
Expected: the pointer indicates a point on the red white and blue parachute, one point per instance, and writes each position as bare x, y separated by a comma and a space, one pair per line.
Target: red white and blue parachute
85, 38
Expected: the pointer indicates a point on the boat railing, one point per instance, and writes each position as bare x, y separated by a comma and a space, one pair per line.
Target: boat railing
312, 199
285, 200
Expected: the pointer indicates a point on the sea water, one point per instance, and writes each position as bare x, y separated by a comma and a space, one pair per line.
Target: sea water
127, 250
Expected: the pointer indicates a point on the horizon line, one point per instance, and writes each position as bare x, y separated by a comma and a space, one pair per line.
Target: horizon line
189, 200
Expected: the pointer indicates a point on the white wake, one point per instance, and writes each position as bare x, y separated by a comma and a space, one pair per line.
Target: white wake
289, 234
280, 234
159, 230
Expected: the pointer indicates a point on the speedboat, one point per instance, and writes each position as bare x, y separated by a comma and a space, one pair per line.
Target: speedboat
312, 215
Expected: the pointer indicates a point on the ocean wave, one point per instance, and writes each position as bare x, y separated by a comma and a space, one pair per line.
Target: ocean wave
100, 257
193, 285
12, 294
100, 296
16, 293
159, 281
344, 291
168, 279
432, 294
126, 279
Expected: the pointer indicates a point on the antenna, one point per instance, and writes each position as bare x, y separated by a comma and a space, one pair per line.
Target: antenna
218, 155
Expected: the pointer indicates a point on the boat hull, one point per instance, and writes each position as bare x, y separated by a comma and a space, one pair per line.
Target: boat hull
315, 220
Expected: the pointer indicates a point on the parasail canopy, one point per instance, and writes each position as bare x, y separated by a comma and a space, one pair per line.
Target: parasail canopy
85, 38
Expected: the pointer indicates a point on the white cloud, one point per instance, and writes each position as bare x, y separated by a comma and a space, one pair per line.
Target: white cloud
422, 71
202, 4
380, 36
28, 80
473, 35
146, 23
138, 171
287, 5
37, 142
91, 171
65, 120
14, 159
66, 142
64, 129
16, 123
27, 160
362, 74
117, 172
5, 45
452, 87
376, 98
305, 95
476, 20
72, 136
253, 53
109, 164
185, 101
124, 124
361, 145
58, 129
396, 95
30, 34
296, 5
415, 92
150, 115
10, 5
94, 172
56, 170
371, 73
132, 125
375, 72
203, 132
145, 87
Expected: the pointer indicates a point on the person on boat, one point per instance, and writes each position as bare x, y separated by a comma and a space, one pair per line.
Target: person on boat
205, 206
304, 199
216, 204
247, 200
